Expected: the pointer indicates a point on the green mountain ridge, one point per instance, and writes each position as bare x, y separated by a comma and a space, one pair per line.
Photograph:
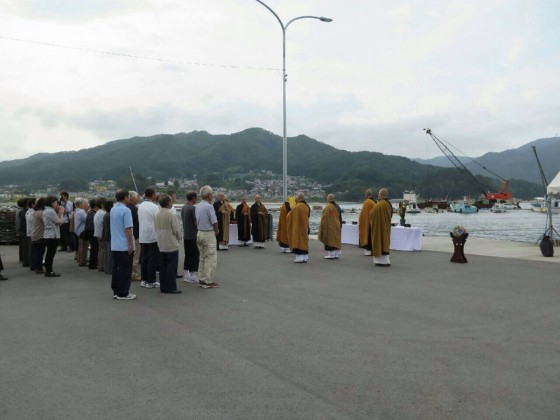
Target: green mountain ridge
200, 153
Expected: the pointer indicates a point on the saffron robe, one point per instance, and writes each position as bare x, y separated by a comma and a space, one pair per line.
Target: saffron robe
282, 231
330, 227
381, 228
259, 222
243, 218
225, 210
298, 228
363, 222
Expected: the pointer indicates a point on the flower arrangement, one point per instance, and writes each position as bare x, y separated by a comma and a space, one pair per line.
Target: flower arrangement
458, 231
402, 208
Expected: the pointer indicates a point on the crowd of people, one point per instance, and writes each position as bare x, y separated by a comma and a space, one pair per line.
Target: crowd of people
133, 242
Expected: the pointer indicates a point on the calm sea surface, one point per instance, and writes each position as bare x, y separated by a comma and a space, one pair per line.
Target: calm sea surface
514, 225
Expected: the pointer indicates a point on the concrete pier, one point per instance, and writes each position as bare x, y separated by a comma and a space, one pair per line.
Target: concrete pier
422, 339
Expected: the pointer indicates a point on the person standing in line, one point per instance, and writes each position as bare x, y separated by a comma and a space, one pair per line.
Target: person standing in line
243, 220
122, 247
98, 233
364, 225
52, 221
106, 236
330, 229
259, 223
148, 239
20, 232
282, 230
133, 206
65, 237
298, 229
207, 225
28, 230
381, 230
169, 237
38, 243
24, 242
192, 255
2, 268
221, 215
80, 216
89, 233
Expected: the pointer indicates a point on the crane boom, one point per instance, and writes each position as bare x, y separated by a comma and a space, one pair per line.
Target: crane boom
503, 194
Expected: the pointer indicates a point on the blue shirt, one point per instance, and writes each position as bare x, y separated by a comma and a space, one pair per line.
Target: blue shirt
121, 219
205, 216
80, 216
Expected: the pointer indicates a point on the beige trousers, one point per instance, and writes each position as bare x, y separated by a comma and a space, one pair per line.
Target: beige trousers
206, 242
136, 260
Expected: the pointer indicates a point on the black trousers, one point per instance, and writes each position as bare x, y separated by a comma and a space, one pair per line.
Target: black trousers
168, 262
150, 262
52, 244
122, 270
192, 255
65, 239
93, 252
37, 253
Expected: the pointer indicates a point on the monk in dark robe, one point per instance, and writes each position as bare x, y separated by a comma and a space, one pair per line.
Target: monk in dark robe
223, 213
282, 230
243, 219
259, 223
298, 229
363, 223
330, 229
381, 230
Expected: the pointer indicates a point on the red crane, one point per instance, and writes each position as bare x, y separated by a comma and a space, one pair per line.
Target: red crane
503, 194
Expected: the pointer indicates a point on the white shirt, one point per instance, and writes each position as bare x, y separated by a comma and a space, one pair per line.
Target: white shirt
98, 223
147, 212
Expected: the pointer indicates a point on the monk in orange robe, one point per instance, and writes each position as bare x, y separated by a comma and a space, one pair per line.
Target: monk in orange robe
363, 223
330, 229
381, 230
298, 229
282, 230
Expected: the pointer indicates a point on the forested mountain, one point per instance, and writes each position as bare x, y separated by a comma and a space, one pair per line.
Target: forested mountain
513, 163
215, 157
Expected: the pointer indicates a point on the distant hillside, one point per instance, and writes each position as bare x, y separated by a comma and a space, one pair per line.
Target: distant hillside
199, 153
514, 163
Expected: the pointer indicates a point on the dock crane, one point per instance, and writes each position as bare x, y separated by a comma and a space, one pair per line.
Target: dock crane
503, 194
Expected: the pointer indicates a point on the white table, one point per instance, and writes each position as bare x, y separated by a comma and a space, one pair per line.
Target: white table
402, 238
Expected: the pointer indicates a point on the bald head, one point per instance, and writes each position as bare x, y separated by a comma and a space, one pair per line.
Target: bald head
330, 198
300, 196
383, 193
368, 193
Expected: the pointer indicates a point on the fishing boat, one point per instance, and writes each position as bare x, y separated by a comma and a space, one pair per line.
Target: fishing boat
410, 198
498, 208
465, 207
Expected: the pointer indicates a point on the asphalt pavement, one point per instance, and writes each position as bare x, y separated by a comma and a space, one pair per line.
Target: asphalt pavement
330, 339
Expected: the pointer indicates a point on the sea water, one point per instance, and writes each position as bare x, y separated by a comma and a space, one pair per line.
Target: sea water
513, 225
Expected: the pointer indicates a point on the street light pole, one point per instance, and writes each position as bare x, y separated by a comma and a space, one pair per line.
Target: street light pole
284, 129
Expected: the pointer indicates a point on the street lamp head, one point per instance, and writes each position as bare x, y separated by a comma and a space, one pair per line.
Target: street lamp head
325, 19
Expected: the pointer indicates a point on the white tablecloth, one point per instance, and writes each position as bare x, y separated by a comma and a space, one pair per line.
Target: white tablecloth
402, 238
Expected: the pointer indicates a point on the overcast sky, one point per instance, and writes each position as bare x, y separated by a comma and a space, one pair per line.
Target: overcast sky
483, 74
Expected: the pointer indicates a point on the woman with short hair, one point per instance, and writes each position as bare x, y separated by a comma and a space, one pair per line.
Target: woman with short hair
52, 218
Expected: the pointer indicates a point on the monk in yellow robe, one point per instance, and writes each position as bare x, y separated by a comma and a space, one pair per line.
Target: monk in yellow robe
282, 230
330, 228
363, 223
298, 229
381, 230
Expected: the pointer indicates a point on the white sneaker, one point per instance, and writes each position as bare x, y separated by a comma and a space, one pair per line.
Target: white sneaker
130, 296
149, 285
367, 253
187, 276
